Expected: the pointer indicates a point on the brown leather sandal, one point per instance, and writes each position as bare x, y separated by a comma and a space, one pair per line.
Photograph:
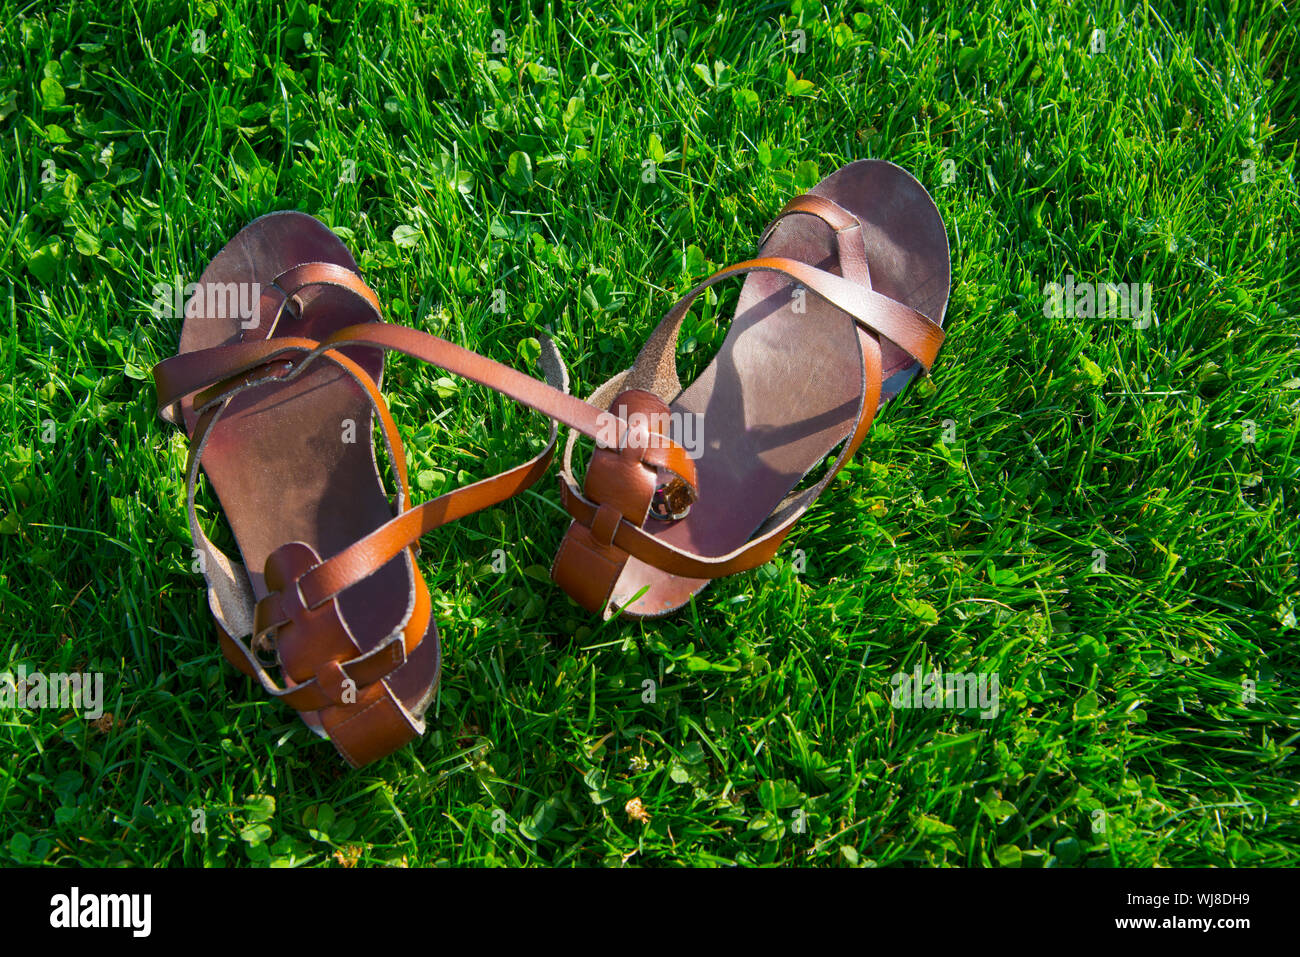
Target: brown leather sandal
797, 375
328, 590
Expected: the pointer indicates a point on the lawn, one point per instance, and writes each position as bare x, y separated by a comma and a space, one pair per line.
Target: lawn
1090, 507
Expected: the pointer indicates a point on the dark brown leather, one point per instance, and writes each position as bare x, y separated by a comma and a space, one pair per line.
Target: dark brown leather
336, 603
869, 251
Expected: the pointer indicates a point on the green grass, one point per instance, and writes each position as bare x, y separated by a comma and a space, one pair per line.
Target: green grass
1124, 734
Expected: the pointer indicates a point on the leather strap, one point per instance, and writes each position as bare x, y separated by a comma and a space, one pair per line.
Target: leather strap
609, 431
192, 372
656, 367
848, 233
172, 375
294, 280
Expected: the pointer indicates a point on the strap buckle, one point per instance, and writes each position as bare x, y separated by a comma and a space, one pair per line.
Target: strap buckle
672, 500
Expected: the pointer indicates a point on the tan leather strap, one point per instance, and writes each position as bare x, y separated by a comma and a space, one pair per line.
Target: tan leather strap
608, 430
847, 229
293, 281
656, 367
622, 488
191, 372
832, 213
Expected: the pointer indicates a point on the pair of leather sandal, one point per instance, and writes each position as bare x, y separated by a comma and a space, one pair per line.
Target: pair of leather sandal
277, 383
